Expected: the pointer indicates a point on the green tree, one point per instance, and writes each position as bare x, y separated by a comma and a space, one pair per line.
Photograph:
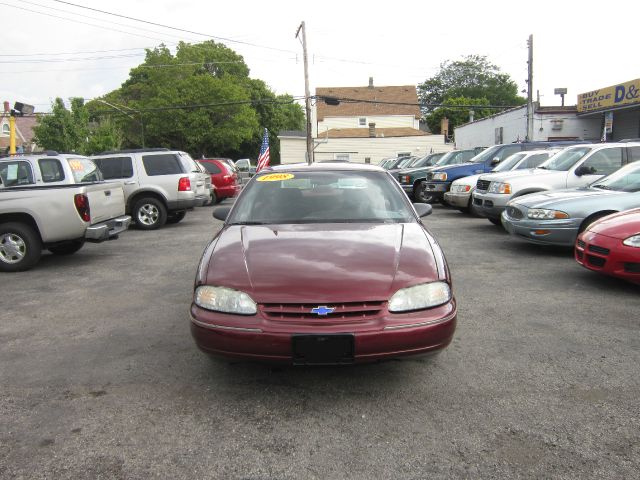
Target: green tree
473, 78
231, 109
67, 130
456, 115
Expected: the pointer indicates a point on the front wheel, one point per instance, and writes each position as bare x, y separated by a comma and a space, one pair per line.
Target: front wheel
67, 248
20, 247
149, 213
421, 195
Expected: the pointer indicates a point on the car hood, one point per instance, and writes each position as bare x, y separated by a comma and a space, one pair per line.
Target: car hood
619, 225
470, 180
321, 263
446, 168
407, 171
568, 197
499, 176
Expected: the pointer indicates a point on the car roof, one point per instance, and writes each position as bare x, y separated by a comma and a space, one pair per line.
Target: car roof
320, 167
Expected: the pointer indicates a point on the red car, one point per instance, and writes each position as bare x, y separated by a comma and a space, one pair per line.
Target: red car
322, 264
223, 176
612, 246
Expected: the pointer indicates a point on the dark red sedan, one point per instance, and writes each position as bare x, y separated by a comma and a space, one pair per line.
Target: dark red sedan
612, 246
322, 264
223, 176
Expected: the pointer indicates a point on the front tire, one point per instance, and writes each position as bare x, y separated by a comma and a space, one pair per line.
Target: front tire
421, 196
149, 213
67, 248
20, 247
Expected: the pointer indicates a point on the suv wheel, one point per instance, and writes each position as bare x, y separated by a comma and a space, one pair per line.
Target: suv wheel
149, 213
20, 247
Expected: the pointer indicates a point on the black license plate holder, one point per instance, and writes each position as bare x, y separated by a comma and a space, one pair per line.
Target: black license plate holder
318, 349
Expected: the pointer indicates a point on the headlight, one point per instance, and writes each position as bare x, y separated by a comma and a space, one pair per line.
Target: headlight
544, 214
461, 188
420, 297
441, 176
221, 299
498, 187
632, 241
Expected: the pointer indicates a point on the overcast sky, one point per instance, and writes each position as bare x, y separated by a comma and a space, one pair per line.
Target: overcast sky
581, 46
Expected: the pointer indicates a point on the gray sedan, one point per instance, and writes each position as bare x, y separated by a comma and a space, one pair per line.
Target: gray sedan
556, 217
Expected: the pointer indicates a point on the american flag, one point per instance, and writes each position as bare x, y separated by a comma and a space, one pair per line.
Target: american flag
263, 158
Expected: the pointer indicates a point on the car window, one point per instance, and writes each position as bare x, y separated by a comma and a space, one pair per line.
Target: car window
533, 161
227, 168
84, 170
626, 179
466, 155
162, 164
510, 162
16, 173
211, 167
604, 161
634, 154
507, 151
115, 167
51, 170
322, 197
566, 159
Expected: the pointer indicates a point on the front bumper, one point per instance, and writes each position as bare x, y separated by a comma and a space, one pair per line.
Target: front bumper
490, 205
460, 199
608, 256
544, 232
259, 339
108, 230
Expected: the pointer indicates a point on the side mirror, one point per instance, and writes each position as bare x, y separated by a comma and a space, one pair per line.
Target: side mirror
423, 209
221, 213
584, 170
495, 161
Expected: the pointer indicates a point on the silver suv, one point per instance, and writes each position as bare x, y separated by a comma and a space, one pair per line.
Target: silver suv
160, 185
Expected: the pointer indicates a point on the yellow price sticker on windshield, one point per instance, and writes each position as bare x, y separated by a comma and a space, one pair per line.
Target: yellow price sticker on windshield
276, 177
76, 165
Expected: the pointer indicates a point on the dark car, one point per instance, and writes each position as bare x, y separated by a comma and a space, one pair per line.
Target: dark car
224, 178
322, 264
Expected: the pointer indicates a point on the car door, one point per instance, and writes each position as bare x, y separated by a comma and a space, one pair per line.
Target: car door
600, 163
119, 169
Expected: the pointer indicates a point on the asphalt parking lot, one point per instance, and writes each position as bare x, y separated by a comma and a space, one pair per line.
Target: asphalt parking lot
100, 377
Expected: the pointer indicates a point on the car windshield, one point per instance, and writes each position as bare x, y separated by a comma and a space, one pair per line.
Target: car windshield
405, 162
84, 170
321, 197
448, 158
509, 162
626, 179
566, 159
486, 154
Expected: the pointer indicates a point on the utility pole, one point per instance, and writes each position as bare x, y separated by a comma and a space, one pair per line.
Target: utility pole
529, 137
307, 95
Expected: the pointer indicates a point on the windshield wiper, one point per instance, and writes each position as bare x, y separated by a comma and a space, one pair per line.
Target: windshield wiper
248, 223
603, 187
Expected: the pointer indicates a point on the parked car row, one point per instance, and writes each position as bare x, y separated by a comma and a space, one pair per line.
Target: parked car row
59, 201
563, 197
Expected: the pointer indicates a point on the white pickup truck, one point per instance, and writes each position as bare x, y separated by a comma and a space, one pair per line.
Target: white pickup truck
55, 202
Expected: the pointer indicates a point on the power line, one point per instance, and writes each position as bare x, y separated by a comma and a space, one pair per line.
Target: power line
70, 53
176, 28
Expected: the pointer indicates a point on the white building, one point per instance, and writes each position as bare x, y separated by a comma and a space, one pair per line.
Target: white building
549, 123
363, 124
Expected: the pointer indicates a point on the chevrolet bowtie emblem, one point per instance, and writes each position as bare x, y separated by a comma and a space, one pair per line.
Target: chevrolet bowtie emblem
322, 310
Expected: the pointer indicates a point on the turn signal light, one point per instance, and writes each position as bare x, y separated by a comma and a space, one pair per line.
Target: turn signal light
542, 232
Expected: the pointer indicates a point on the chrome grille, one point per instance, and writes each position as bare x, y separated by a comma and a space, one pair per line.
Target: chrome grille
483, 185
429, 176
352, 311
514, 213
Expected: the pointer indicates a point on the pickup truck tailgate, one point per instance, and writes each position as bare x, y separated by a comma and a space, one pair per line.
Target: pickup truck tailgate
106, 201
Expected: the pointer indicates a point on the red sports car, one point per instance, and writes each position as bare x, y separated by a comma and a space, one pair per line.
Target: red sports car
322, 264
612, 246
223, 176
